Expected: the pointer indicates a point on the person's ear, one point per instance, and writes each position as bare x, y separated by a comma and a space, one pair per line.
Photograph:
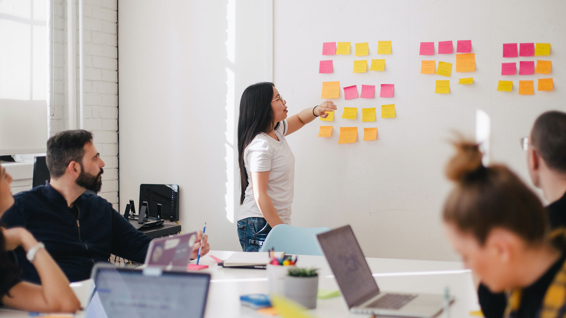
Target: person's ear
74, 169
502, 244
534, 159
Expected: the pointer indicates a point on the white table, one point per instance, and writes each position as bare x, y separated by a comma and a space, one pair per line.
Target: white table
395, 275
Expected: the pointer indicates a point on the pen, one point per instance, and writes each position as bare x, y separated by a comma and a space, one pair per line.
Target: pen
198, 254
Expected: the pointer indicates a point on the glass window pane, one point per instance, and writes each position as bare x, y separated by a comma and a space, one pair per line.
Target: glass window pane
16, 8
15, 77
40, 60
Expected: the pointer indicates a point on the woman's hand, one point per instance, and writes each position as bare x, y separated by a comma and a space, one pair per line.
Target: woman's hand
325, 107
18, 236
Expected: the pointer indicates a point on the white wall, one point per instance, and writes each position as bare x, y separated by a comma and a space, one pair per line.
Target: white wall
183, 66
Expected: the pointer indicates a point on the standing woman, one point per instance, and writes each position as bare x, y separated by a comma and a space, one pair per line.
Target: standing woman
54, 294
267, 165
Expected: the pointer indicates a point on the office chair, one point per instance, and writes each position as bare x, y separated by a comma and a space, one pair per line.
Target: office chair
40, 172
293, 240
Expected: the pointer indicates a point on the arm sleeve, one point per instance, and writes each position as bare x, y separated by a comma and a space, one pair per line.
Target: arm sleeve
14, 216
127, 242
492, 305
258, 156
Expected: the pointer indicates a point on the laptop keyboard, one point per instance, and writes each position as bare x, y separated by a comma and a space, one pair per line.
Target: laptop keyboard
392, 301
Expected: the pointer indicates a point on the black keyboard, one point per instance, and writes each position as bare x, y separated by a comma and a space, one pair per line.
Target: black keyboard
392, 301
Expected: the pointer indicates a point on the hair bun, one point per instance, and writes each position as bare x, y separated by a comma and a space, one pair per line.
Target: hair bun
467, 161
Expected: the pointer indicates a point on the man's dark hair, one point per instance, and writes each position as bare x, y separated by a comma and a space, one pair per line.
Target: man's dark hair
65, 147
548, 138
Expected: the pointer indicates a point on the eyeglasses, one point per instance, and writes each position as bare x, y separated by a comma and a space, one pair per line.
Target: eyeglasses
525, 143
280, 98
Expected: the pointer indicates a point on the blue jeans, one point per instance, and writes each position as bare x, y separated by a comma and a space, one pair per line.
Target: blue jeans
252, 233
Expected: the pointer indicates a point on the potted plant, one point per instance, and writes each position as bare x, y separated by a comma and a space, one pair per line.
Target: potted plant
301, 286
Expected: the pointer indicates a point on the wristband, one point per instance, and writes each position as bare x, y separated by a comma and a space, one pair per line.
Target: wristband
313, 111
31, 253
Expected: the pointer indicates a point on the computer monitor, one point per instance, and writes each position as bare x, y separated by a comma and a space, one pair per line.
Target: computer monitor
40, 172
165, 194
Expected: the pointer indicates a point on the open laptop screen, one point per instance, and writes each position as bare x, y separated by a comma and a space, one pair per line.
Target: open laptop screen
122, 292
348, 264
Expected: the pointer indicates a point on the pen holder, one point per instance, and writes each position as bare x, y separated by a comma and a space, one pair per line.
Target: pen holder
276, 278
302, 290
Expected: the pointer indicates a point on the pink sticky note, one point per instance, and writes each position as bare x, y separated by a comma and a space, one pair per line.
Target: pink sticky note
527, 67
510, 50
195, 267
427, 48
368, 91
350, 92
445, 47
329, 48
508, 68
326, 67
387, 90
464, 46
527, 49
216, 259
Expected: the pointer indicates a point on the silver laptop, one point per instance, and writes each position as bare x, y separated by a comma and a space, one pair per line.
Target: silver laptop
150, 292
172, 252
360, 289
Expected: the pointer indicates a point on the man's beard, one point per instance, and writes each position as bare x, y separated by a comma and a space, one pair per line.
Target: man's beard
89, 181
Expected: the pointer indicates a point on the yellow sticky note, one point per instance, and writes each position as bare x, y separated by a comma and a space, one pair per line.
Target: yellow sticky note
467, 80
348, 135
545, 84
269, 311
428, 67
370, 134
288, 308
330, 89
476, 313
388, 111
466, 62
343, 48
444, 69
330, 117
383, 47
360, 66
526, 87
368, 114
542, 49
442, 87
325, 131
350, 113
505, 86
377, 65
362, 49
543, 67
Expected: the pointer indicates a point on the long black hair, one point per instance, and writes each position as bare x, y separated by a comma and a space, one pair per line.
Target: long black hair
256, 116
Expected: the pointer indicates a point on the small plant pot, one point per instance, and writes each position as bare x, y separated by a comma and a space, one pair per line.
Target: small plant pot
302, 290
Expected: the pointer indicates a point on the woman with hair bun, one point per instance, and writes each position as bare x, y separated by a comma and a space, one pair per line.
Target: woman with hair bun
501, 230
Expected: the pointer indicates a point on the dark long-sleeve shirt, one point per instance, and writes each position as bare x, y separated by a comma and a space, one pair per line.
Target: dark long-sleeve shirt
76, 244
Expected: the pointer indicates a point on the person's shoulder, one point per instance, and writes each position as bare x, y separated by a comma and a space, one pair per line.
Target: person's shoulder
33, 193
95, 200
259, 143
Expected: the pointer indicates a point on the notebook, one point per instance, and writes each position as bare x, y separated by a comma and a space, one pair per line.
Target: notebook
257, 260
171, 252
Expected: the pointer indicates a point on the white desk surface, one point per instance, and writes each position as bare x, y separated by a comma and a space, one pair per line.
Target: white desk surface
396, 275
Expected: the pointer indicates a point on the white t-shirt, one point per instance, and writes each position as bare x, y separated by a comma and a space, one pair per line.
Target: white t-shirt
267, 154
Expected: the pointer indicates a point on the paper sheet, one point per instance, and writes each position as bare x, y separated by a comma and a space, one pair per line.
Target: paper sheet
444, 69
464, 46
505, 86
466, 62
368, 115
370, 134
326, 67
526, 67
542, 49
388, 111
343, 48
329, 48
330, 89
387, 90
526, 87
428, 67
445, 47
545, 84
467, 80
350, 92
510, 50
377, 65
368, 91
350, 113
348, 135
383, 47
543, 67
325, 131
427, 48
527, 49
362, 49
360, 66
508, 68
442, 87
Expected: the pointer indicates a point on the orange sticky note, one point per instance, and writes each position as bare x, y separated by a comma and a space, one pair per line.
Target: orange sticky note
444, 69
545, 84
362, 49
330, 89
383, 47
377, 65
325, 131
542, 49
343, 48
370, 134
428, 67
442, 87
505, 86
543, 67
388, 111
360, 66
466, 62
526, 87
270, 311
330, 117
368, 115
348, 135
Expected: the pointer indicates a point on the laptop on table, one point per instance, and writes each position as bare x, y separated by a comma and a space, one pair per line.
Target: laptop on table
360, 290
152, 292
173, 252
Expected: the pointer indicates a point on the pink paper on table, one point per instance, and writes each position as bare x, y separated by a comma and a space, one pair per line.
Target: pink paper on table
368, 91
510, 50
387, 90
445, 47
326, 67
195, 267
508, 68
527, 49
216, 259
427, 48
350, 92
329, 48
527, 67
464, 46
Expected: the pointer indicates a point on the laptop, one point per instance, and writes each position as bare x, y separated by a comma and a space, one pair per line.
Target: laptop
151, 292
173, 252
360, 290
